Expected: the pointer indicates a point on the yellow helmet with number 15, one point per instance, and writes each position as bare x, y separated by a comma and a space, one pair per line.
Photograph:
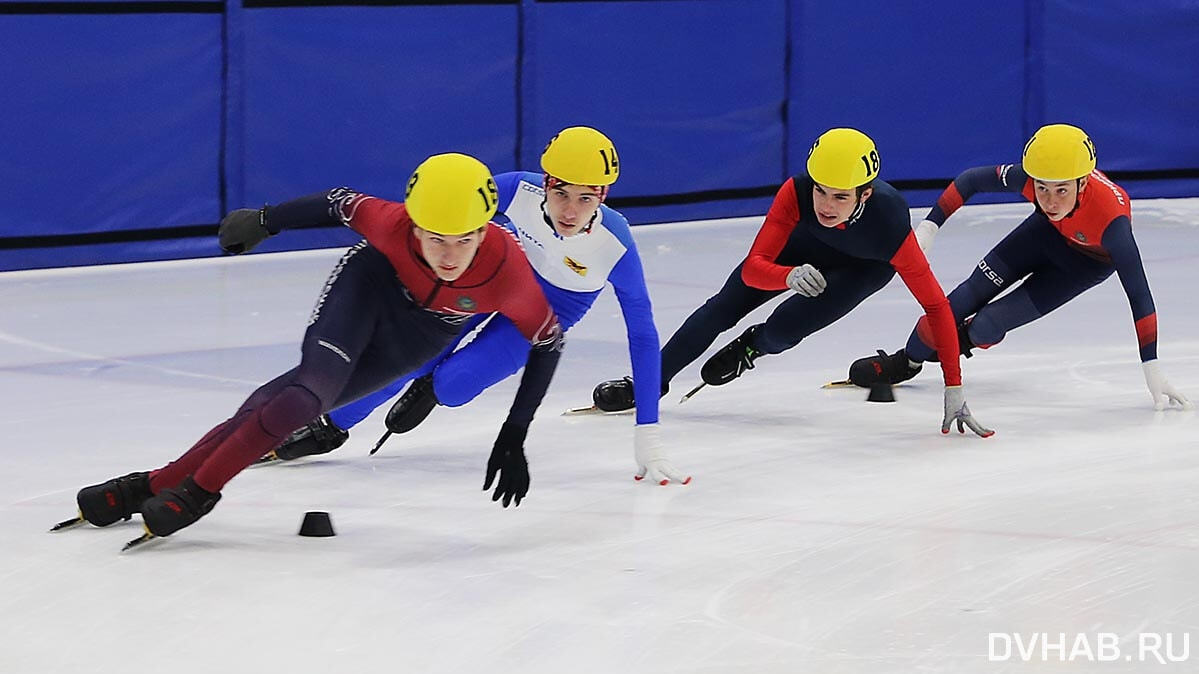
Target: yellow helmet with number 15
451, 194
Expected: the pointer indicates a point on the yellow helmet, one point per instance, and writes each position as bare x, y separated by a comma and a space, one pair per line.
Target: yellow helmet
582, 156
843, 159
1059, 152
451, 194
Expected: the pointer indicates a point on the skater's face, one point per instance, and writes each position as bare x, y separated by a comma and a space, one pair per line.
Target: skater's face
834, 206
571, 207
1058, 198
449, 255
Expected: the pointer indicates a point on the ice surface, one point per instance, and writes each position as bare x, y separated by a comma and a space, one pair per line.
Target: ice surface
821, 533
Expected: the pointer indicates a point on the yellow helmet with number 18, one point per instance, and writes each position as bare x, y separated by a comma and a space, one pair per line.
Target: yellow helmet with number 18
451, 194
1059, 152
843, 159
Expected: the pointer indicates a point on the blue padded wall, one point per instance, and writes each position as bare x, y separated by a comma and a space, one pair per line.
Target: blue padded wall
130, 127
690, 104
111, 123
1128, 77
359, 95
916, 77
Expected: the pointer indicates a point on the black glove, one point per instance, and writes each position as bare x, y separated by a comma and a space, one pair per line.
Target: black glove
508, 459
243, 229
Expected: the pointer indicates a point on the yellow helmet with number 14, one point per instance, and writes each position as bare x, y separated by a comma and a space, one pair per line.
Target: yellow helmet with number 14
580, 155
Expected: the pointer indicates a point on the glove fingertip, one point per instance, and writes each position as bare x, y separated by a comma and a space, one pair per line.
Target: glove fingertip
687, 481
639, 477
663, 482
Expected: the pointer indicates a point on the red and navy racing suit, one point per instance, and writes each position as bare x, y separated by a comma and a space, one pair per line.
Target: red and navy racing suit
382, 313
857, 258
1057, 261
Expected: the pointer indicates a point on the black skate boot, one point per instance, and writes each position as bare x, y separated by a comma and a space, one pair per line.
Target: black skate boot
177, 507
319, 436
615, 395
413, 407
883, 369
731, 361
964, 343
117, 499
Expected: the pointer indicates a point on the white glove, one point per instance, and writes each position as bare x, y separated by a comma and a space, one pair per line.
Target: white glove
1162, 391
926, 231
806, 280
651, 460
956, 410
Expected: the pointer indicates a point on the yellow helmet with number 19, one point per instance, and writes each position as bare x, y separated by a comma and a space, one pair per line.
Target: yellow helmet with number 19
451, 194
843, 159
1059, 152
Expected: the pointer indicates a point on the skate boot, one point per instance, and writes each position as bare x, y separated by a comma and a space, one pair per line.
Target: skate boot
731, 361
615, 395
319, 436
964, 343
413, 407
410, 410
177, 507
883, 369
117, 499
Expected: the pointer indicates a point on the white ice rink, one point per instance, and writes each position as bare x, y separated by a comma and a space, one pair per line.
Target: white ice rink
821, 533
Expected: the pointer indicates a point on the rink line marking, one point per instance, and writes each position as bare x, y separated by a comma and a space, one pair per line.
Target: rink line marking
83, 355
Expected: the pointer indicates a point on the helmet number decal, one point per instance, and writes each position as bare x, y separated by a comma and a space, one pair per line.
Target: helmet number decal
871, 162
613, 165
491, 196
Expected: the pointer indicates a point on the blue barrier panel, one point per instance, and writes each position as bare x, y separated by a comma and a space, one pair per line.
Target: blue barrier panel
155, 115
939, 88
111, 122
358, 96
1125, 72
692, 93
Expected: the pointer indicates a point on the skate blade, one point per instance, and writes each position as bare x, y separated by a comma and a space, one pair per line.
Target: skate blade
692, 392
139, 541
271, 457
69, 524
593, 410
379, 444
845, 383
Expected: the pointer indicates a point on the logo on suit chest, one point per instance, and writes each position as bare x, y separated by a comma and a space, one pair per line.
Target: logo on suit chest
466, 303
1082, 238
574, 266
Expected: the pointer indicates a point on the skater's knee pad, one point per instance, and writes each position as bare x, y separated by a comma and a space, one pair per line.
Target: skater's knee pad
984, 331
293, 407
460, 379
924, 332
772, 340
